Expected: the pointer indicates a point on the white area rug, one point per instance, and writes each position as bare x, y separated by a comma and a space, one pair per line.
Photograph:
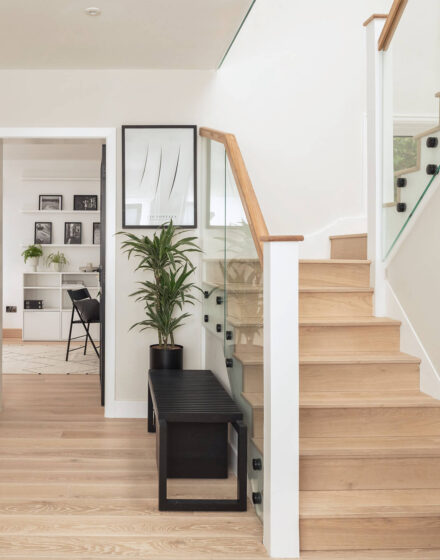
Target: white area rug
47, 358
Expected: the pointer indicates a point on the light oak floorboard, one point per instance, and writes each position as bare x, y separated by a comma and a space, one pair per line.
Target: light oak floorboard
75, 485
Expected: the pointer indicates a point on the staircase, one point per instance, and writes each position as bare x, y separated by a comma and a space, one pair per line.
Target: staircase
370, 440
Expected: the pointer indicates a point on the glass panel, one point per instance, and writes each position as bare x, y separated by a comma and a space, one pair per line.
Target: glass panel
233, 285
411, 151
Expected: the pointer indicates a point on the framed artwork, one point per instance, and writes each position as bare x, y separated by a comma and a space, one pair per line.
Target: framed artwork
96, 233
159, 180
50, 202
43, 233
85, 202
72, 233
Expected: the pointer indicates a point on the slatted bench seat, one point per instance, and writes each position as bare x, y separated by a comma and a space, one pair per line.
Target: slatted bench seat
190, 411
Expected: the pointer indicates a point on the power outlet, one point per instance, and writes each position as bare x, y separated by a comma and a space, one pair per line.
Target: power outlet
11, 309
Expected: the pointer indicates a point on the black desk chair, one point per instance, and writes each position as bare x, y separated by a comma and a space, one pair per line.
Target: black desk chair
87, 310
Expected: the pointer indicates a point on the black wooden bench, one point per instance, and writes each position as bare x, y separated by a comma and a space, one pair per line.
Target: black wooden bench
190, 412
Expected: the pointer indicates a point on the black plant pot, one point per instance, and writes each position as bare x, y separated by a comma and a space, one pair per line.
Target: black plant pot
170, 358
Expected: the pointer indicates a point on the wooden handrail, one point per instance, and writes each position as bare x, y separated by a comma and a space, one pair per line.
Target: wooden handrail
257, 225
391, 24
252, 209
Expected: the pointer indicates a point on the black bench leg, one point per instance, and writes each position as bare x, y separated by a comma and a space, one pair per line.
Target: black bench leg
241, 430
162, 425
151, 417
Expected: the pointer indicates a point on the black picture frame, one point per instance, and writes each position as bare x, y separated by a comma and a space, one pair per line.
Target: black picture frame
53, 196
96, 233
72, 237
135, 207
43, 233
85, 202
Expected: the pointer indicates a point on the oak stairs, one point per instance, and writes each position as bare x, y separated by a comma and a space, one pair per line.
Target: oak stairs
370, 440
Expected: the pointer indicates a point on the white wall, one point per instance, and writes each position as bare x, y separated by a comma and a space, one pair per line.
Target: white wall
415, 51
110, 99
48, 160
293, 91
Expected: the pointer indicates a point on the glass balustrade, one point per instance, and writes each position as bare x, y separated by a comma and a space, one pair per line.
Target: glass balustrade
233, 297
411, 130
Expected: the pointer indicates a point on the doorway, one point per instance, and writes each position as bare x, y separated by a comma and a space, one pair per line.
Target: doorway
59, 197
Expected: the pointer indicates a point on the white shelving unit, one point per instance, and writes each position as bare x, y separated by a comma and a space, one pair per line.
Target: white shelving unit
53, 321
79, 245
52, 212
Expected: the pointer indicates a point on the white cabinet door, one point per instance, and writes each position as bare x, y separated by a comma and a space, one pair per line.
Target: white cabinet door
77, 330
41, 325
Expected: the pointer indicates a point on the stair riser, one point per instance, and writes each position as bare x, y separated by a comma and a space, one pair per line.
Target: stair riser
248, 307
258, 423
333, 339
359, 377
242, 272
328, 304
245, 307
253, 379
349, 248
334, 274
375, 338
373, 534
369, 473
375, 421
343, 377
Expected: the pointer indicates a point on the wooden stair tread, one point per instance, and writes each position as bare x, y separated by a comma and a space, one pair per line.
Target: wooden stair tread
403, 446
348, 236
255, 357
242, 287
336, 399
369, 503
325, 322
370, 399
396, 554
334, 261
359, 358
346, 321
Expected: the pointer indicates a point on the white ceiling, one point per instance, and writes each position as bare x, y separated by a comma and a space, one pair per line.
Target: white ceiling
178, 34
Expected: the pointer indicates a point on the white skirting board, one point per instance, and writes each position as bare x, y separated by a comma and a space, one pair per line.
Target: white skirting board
127, 409
410, 343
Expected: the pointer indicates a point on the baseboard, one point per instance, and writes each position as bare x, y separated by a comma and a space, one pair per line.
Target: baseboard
316, 245
126, 409
12, 333
410, 343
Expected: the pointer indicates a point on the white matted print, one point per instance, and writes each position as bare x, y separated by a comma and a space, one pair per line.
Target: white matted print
159, 176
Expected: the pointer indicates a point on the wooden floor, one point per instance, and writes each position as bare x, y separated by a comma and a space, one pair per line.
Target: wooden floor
75, 485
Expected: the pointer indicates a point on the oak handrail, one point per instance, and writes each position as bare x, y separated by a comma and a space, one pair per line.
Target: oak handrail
254, 215
391, 24
252, 209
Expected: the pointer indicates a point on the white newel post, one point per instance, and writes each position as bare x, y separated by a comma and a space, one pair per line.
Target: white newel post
375, 107
281, 400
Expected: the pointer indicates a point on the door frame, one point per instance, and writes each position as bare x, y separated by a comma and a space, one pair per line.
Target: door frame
109, 136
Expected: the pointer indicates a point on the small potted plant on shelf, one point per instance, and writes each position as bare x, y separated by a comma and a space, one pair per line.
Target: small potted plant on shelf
32, 255
57, 260
169, 288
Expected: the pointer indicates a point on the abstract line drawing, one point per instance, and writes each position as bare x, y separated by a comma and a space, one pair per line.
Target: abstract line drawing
159, 181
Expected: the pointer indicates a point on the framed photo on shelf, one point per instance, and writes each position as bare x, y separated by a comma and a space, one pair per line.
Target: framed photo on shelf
96, 233
159, 180
50, 202
85, 202
72, 233
43, 233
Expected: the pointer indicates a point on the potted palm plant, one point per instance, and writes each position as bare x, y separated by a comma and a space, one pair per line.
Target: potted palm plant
167, 258
32, 255
57, 260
